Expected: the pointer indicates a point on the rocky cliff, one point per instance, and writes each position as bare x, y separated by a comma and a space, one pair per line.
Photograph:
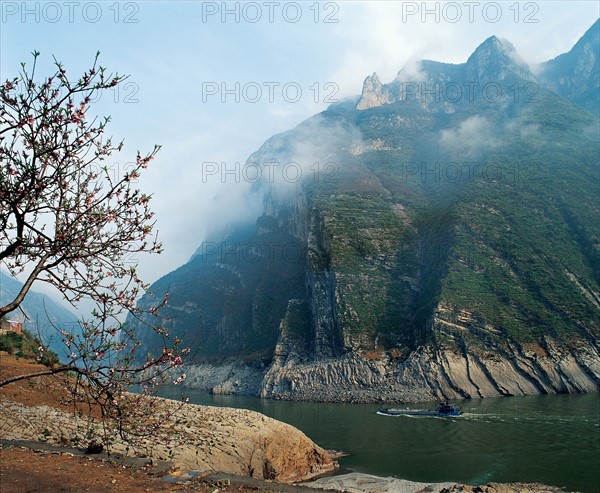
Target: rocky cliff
442, 243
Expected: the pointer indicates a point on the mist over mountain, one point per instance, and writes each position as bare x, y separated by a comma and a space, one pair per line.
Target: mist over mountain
435, 237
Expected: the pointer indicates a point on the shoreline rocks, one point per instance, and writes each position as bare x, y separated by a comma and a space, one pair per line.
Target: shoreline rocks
235, 441
363, 483
426, 375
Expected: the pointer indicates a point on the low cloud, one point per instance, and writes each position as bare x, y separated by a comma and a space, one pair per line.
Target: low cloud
412, 72
311, 152
471, 137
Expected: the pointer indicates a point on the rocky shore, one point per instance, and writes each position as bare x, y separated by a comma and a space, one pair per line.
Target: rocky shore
425, 375
41, 467
362, 483
235, 441
192, 437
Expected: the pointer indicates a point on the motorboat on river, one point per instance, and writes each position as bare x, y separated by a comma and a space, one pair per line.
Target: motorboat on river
444, 410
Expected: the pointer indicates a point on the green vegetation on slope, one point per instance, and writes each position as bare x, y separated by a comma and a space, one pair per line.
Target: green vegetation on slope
25, 345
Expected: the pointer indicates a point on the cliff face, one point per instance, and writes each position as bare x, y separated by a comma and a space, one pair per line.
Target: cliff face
576, 75
426, 374
438, 246
429, 374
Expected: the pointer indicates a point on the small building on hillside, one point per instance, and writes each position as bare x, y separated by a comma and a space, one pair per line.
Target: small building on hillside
7, 326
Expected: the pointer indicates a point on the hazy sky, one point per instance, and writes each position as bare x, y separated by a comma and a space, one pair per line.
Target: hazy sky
278, 62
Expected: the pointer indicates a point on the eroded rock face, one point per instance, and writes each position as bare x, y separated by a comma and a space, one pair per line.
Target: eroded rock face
426, 374
374, 93
433, 374
235, 441
225, 379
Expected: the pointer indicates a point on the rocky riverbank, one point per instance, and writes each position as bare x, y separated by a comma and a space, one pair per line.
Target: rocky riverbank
235, 441
48, 468
425, 375
201, 438
362, 483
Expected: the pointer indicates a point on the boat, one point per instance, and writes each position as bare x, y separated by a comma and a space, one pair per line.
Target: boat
444, 410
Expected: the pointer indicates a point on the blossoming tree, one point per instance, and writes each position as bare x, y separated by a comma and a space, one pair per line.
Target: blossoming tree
66, 220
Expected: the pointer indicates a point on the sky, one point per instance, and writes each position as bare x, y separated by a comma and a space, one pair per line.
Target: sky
211, 81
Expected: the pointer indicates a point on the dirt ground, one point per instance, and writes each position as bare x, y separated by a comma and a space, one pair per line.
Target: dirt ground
23, 470
45, 390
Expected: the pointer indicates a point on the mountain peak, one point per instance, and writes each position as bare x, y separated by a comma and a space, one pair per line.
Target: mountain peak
496, 59
494, 46
493, 39
374, 78
587, 45
373, 93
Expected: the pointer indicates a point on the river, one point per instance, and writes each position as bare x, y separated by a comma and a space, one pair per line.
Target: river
551, 439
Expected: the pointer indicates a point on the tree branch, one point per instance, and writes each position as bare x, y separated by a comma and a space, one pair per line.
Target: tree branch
26, 286
50, 371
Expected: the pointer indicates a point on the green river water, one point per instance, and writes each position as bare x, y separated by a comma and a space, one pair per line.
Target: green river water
552, 439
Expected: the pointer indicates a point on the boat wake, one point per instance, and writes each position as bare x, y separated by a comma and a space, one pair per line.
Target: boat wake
445, 410
416, 416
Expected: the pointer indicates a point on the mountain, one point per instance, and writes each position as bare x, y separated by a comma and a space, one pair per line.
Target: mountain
443, 243
576, 75
445, 87
43, 313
